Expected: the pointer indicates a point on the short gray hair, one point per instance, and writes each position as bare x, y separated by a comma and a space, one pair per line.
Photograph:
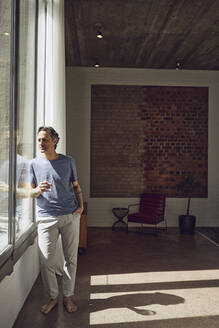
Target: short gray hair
51, 131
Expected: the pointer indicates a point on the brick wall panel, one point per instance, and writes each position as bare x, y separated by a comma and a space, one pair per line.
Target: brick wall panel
147, 138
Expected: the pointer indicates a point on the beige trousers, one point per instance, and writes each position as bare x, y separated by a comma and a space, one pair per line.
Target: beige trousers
49, 229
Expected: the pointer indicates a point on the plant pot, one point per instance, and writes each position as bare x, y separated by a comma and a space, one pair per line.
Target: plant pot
187, 224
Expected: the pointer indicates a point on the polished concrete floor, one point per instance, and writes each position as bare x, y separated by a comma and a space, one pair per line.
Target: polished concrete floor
137, 280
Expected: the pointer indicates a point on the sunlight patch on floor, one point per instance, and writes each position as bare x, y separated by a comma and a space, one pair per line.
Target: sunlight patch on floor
153, 277
124, 307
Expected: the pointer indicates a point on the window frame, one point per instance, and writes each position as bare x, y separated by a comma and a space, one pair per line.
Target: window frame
16, 247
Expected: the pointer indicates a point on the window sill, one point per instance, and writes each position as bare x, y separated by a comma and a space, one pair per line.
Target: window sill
9, 256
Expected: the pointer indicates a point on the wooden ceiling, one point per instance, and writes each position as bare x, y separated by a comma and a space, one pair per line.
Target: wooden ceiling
143, 33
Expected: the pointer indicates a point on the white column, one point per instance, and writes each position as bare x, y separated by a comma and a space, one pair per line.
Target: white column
51, 106
55, 106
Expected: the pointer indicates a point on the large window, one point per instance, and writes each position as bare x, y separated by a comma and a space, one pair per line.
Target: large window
17, 123
25, 110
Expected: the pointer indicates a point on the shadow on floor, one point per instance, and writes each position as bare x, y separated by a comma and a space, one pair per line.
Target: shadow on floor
132, 301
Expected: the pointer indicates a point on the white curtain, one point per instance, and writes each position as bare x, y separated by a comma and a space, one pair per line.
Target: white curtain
51, 105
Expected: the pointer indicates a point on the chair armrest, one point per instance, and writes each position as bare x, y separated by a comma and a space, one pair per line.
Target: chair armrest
132, 205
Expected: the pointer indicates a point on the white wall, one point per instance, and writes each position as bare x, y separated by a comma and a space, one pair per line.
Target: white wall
78, 98
15, 288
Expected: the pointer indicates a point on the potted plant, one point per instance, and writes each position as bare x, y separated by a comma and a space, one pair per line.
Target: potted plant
187, 186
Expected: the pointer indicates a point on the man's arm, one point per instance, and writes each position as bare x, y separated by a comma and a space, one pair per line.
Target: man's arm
78, 193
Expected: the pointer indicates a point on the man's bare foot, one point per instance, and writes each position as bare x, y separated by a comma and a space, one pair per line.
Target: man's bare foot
46, 308
69, 305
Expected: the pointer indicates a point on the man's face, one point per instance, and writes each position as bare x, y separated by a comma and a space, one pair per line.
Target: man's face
45, 142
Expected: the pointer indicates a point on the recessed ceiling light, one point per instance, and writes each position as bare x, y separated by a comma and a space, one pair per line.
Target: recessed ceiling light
6, 33
99, 35
96, 65
178, 65
97, 62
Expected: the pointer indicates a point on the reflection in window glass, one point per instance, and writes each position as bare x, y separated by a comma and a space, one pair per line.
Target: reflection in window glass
25, 118
5, 21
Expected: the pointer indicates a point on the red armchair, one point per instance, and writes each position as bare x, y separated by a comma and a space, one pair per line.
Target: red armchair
151, 210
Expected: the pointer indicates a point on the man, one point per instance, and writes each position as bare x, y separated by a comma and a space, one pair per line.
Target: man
53, 178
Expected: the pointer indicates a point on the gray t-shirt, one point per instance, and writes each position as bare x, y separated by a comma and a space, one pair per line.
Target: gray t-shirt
61, 173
